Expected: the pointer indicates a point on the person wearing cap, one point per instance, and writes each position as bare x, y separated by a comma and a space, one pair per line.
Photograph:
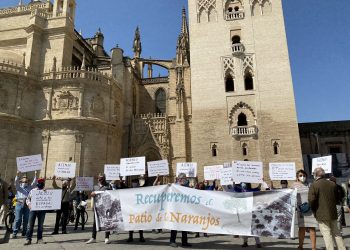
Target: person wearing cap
35, 214
102, 186
21, 210
183, 181
67, 191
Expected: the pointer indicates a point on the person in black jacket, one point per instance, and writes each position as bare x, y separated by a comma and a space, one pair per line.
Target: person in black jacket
80, 205
340, 208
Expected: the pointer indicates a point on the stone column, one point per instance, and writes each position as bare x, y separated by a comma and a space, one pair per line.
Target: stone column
77, 154
46, 137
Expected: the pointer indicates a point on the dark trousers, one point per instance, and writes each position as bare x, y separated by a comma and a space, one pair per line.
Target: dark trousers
32, 216
173, 234
131, 234
64, 213
80, 214
94, 231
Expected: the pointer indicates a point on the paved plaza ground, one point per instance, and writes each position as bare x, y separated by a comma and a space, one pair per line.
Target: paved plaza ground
75, 240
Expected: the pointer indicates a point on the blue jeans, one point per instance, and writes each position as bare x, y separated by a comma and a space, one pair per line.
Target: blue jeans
32, 217
21, 212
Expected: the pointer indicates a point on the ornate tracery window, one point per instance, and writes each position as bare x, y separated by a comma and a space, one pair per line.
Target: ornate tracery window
160, 101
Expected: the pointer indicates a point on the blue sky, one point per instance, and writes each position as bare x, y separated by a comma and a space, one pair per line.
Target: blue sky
318, 37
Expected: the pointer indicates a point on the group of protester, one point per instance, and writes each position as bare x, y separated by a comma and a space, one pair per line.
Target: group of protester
318, 205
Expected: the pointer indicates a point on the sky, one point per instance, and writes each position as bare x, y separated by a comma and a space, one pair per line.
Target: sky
318, 38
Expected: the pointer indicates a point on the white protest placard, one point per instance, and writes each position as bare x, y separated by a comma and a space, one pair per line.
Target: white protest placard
188, 168
282, 171
132, 166
65, 169
323, 162
46, 200
158, 168
212, 172
248, 171
84, 184
112, 172
29, 163
226, 174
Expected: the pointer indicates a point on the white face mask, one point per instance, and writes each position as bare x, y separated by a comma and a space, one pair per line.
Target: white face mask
302, 179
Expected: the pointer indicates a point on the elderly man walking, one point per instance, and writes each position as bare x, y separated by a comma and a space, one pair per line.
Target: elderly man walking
323, 198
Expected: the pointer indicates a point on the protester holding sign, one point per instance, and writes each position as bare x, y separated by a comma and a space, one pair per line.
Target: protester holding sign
35, 214
102, 186
306, 220
67, 191
22, 211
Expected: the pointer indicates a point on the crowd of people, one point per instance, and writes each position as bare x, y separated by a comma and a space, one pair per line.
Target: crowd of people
319, 205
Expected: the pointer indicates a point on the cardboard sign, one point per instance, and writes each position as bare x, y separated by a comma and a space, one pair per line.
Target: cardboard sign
84, 184
46, 200
322, 162
112, 172
132, 166
188, 168
65, 169
29, 163
282, 171
247, 171
158, 168
212, 172
226, 174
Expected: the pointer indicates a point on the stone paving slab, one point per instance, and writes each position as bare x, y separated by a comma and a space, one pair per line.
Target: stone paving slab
75, 240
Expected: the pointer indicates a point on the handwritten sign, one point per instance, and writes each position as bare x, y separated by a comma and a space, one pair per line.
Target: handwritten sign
132, 166
84, 184
282, 171
29, 163
65, 169
226, 174
112, 172
158, 168
323, 162
212, 172
248, 171
46, 200
188, 168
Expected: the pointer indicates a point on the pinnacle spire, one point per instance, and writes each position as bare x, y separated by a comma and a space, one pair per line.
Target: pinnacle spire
137, 46
184, 27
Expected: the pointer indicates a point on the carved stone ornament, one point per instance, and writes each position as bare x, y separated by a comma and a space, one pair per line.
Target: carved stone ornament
3, 99
97, 104
65, 101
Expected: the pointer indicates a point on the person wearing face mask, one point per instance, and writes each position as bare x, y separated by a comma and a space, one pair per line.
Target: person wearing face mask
67, 191
33, 215
102, 186
306, 219
21, 210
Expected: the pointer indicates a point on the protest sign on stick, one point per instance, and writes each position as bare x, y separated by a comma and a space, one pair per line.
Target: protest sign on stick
43, 200
282, 171
84, 184
65, 169
29, 163
226, 174
156, 168
247, 171
132, 166
212, 172
112, 172
323, 162
188, 168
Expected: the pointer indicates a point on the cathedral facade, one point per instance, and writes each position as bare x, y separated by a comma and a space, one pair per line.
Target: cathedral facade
228, 95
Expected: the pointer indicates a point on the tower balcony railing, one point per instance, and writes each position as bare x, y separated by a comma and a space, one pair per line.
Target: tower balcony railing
244, 131
237, 48
236, 15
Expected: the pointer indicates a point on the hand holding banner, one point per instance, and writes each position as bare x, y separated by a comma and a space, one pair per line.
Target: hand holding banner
84, 184
188, 168
65, 169
132, 166
43, 200
282, 171
156, 168
248, 171
323, 162
29, 163
112, 172
212, 172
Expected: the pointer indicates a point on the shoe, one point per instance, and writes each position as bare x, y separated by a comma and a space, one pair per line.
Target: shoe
173, 244
142, 239
107, 241
186, 245
41, 242
245, 244
258, 246
24, 234
54, 233
92, 240
14, 236
130, 240
28, 242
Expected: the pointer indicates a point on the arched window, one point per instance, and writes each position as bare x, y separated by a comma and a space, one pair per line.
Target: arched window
248, 81
214, 150
236, 39
276, 148
245, 149
230, 9
160, 100
242, 120
229, 84
236, 8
